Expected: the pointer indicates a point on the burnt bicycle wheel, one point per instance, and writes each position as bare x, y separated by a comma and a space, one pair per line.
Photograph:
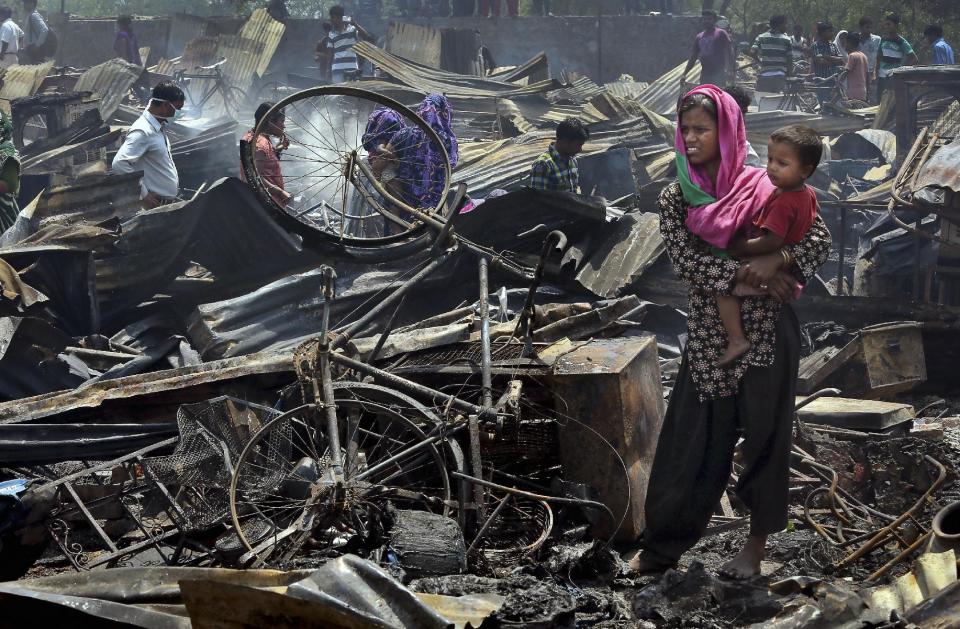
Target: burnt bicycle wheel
342, 203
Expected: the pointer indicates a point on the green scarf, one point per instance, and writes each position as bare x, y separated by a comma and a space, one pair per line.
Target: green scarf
692, 193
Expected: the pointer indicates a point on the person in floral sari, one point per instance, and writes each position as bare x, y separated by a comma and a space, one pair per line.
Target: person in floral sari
711, 408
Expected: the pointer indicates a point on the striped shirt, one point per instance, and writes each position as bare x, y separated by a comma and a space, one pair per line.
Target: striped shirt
776, 51
893, 52
344, 59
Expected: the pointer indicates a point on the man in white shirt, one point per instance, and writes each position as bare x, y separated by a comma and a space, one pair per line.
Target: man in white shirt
147, 149
10, 37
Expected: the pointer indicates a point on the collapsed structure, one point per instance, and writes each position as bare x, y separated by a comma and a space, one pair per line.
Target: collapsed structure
461, 433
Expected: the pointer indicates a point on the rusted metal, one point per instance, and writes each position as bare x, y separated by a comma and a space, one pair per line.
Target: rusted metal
884, 534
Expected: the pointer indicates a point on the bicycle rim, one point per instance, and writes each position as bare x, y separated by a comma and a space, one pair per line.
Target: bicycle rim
339, 214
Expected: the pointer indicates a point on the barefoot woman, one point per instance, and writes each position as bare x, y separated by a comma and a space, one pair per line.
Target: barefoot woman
711, 408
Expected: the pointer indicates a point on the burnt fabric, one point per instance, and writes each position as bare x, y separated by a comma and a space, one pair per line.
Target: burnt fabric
695, 452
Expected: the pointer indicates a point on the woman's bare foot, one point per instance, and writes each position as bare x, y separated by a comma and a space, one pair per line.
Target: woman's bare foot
747, 562
640, 565
735, 349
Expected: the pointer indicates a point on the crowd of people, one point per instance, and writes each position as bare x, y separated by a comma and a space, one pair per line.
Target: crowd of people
861, 58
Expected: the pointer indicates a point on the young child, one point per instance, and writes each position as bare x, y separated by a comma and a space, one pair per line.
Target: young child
793, 155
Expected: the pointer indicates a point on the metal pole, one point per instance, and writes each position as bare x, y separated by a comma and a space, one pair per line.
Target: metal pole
486, 378
843, 242
329, 404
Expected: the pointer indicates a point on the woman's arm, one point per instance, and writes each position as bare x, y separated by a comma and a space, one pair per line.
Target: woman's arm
805, 259
691, 259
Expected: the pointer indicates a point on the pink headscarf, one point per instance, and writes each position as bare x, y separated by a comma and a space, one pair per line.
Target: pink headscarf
719, 211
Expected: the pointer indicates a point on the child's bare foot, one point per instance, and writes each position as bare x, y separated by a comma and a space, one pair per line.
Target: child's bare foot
735, 349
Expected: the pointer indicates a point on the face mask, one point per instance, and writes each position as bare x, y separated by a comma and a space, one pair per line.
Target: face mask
177, 113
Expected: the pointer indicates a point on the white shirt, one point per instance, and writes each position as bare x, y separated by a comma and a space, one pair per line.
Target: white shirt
147, 148
11, 34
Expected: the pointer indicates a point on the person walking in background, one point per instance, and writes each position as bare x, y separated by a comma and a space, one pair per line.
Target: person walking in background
557, 169
35, 33
894, 52
10, 38
714, 48
344, 34
125, 44
942, 52
774, 50
858, 75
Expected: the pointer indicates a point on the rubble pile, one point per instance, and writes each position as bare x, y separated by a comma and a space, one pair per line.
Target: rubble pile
206, 418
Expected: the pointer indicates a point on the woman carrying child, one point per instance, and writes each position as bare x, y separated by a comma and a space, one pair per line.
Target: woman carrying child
712, 407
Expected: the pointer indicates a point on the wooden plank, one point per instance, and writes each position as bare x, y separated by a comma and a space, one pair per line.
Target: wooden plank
866, 415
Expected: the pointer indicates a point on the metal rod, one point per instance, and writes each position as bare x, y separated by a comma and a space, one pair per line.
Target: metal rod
581, 502
386, 332
387, 378
329, 400
486, 525
555, 239
893, 562
841, 280
345, 333
486, 378
883, 533
420, 445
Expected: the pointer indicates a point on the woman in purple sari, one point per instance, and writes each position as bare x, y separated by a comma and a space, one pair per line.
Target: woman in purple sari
420, 162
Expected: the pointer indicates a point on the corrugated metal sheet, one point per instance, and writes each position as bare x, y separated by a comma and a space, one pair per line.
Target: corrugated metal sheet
662, 95
948, 124
427, 79
420, 44
251, 51
535, 70
630, 90
111, 80
22, 81
580, 90
91, 200
635, 244
144, 55
760, 124
942, 169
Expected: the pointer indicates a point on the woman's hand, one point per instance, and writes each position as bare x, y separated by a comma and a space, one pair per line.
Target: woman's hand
783, 287
760, 271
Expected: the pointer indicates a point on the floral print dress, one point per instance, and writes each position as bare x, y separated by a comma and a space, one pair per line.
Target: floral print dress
708, 275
